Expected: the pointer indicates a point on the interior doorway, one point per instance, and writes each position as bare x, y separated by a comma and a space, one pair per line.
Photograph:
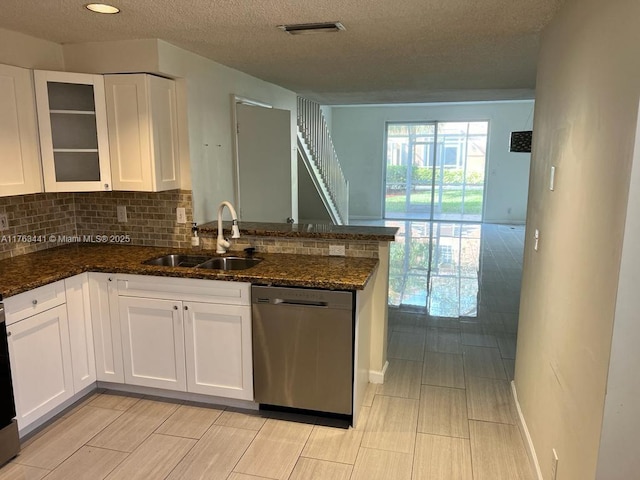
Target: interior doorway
435, 170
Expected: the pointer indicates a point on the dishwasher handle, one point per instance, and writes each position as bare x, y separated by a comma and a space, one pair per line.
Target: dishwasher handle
305, 303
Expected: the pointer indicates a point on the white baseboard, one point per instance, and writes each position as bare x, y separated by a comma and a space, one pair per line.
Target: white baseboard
182, 396
376, 376
524, 431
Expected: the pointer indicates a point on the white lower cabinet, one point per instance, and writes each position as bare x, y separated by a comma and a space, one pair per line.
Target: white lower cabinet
80, 331
105, 323
40, 356
187, 335
218, 350
153, 343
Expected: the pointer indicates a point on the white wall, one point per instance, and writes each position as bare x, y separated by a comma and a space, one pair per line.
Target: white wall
587, 93
29, 52
618, 458
358, 135
204, 97
210, 86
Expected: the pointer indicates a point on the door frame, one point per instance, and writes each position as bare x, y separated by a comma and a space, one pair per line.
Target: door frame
489, 122
235, 100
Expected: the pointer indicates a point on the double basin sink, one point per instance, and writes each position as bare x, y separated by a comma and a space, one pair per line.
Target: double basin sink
204, 262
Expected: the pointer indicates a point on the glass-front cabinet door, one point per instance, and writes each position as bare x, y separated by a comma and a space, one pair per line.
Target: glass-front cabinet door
73, 131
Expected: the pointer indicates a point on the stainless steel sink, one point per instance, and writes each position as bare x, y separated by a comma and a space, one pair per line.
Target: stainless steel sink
229, 263
177, 260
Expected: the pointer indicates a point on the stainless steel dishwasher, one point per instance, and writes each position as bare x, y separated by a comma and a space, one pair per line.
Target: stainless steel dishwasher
303, 348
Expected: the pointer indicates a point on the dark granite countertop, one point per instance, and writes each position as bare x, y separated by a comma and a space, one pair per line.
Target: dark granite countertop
307, 230
25, 272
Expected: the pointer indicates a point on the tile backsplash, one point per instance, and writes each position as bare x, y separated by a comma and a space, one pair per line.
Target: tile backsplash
35, 222
46, 220
151, 217
298, 246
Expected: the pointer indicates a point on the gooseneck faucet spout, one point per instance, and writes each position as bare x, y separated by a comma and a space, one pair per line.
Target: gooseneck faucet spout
222, 243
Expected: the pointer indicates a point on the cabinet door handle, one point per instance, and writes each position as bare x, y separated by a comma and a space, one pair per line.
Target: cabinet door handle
35, 302
8, 334
175, 307
186, 308
106, 186
110, 279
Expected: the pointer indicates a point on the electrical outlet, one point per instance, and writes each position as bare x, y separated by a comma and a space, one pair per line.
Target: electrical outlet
554, 464
181, 215
122, 213
336, 250
4, 222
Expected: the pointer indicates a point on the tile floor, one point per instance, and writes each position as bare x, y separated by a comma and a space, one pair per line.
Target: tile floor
445, 411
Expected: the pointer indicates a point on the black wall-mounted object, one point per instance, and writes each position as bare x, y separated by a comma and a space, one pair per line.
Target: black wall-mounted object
521, 141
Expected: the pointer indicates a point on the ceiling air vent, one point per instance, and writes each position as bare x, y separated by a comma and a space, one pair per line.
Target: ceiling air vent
309, 28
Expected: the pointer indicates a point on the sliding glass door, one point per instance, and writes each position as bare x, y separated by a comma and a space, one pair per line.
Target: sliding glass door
435, 170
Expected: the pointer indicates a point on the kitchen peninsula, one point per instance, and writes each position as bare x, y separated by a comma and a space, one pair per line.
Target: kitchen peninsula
292, 255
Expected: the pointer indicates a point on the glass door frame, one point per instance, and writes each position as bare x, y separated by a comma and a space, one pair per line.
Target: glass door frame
434, 157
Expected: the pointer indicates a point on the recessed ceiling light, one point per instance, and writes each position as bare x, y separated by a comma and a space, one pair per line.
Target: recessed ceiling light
308, 28
102, 8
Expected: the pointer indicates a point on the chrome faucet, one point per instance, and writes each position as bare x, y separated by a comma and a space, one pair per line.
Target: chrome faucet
222, 243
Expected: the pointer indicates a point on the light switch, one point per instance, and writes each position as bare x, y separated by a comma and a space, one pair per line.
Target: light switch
536, 237
552, 178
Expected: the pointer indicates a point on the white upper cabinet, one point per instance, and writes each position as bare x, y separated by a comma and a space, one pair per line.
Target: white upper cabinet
143, 132
19, 149
73, 131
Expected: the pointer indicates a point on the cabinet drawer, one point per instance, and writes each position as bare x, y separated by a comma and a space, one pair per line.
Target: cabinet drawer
185, 289
34, 301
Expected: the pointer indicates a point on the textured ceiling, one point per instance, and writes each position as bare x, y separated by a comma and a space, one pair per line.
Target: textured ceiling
391, 51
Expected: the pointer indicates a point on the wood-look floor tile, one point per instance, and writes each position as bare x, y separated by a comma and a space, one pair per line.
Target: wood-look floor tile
242, 476
275, 450
406, 346
483, 362
134, 426
369, 393
443, 340
66, 436
392, 424
88, 463
443, 369
442, 458
509, 367
402, 379
365, 412
114, 401
248, 420
78, 405
312, 469
479, 339
490, 399
443, 411
485, 326
336, 444
507, 345
215, 454
155, 458
382, 465
15, 471
498, 452
443, 322
190, 422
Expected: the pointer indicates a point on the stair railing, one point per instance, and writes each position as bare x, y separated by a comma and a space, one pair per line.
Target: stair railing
315, 133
